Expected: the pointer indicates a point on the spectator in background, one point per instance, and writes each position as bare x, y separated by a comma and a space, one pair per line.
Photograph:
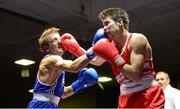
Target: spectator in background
172, 95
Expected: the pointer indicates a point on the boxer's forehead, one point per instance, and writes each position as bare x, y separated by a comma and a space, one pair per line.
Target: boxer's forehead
106, 20
54, 36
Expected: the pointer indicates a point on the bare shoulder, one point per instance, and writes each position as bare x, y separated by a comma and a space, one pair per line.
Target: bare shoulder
52, 59
47, 70
141, 44
139, 39
139, 36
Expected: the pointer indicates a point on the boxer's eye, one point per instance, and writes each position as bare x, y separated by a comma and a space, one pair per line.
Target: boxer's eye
53, 40
106, 23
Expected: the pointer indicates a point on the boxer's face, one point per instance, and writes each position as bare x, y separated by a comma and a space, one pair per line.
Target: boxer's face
162, 79
55, 45
111, 28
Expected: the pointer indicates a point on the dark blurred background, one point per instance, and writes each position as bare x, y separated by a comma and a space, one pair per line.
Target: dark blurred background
22, 22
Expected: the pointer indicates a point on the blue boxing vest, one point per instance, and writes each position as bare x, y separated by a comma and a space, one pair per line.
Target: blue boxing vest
56, 88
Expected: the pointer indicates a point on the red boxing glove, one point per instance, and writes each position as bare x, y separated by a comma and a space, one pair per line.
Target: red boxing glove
69, 43
107, 50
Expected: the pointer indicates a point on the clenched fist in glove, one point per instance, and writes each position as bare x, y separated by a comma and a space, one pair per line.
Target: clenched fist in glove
107, 50
69, 43
87, 77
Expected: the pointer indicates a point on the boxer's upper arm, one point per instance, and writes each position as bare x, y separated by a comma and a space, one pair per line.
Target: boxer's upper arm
137, 57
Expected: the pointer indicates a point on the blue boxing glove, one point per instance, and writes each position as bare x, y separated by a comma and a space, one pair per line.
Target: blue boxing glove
87, 77
100, 33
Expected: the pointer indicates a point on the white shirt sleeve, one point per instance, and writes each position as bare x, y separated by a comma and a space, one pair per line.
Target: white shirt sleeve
172, 98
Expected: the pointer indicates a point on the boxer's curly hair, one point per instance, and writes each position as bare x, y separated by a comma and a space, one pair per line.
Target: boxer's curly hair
45, 38
116, 14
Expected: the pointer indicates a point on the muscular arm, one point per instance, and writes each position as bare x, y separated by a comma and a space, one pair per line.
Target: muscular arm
69, 43
45, 70
134, 69
97, 61
68, 91
73, 66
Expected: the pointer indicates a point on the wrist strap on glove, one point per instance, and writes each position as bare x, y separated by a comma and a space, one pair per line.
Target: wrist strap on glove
90, 55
